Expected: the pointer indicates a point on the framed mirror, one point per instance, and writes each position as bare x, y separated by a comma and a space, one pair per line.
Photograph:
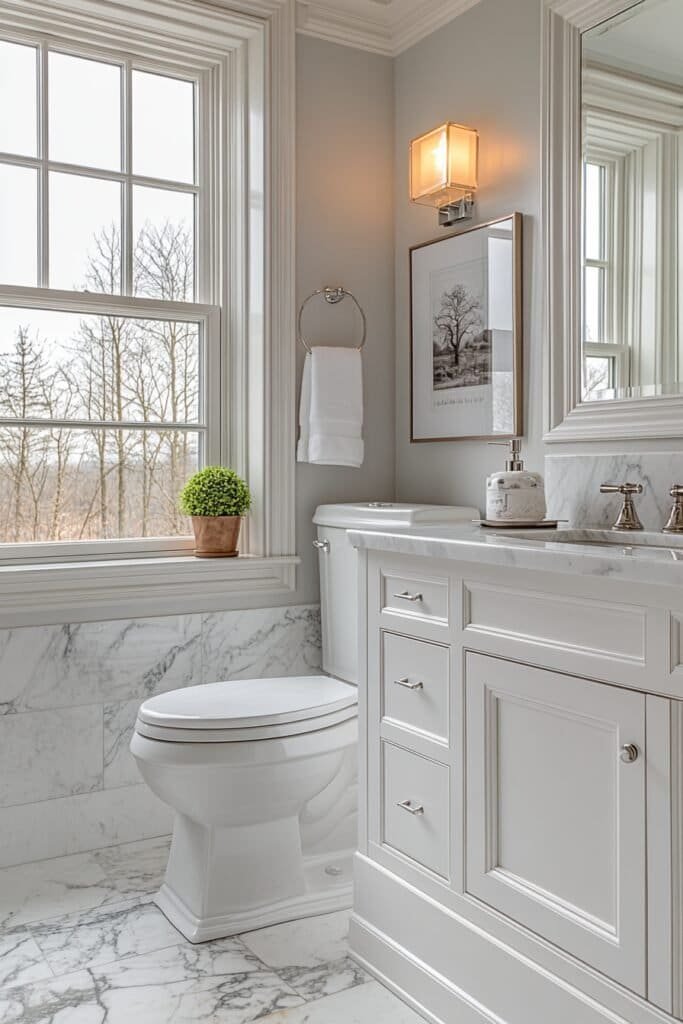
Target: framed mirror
613, 176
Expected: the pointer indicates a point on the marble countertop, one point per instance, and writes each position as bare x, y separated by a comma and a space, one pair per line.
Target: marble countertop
467, 542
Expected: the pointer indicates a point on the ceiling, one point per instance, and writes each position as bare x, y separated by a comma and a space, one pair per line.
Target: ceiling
382, 26
648, 38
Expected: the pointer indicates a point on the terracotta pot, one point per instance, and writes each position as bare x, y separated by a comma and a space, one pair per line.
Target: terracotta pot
216, 536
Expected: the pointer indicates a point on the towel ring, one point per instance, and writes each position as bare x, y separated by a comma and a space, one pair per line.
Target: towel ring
332, 296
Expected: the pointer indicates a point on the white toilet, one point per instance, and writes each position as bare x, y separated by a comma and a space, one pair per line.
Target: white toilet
261, 772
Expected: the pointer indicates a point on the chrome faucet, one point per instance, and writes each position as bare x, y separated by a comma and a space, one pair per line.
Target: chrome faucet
675, 521
628, 517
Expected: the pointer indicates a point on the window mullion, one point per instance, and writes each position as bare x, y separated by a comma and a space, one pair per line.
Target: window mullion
43, 175
127, 151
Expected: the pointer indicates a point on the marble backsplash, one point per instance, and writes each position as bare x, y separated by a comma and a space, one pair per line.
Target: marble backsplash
69, 696
573, 486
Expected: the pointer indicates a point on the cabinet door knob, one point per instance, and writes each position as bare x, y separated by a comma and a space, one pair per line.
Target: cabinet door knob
410, 807
408, 685
629, 753
405, 596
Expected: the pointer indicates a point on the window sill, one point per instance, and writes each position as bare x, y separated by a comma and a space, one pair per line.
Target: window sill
86, 591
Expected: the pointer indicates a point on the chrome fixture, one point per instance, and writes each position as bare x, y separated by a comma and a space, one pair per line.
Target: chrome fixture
331, 295
405, 596
408, 685
322, 545
675, 521
628, 517
629, 753
410, 807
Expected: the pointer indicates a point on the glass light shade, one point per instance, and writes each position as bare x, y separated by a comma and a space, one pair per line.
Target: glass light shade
443, 165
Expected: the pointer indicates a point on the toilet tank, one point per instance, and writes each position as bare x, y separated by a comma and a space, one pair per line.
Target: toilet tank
338, 561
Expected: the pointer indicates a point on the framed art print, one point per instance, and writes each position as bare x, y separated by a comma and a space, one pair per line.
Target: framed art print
466, 334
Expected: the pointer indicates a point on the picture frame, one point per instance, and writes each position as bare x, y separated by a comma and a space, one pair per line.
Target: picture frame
466, 334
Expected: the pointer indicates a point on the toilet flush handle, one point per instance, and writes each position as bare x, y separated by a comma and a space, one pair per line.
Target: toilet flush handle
322, 545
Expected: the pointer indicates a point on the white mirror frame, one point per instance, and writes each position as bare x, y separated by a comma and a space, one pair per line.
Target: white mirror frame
567, 417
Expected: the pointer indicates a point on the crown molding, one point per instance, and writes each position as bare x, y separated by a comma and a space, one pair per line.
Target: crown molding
381, 26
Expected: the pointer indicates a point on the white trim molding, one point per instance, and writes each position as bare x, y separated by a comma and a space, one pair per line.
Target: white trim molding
382, 26
568, 419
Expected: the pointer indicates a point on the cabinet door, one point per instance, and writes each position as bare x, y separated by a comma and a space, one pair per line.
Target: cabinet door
555, 817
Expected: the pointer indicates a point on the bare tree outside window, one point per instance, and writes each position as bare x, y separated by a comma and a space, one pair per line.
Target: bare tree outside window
91, 482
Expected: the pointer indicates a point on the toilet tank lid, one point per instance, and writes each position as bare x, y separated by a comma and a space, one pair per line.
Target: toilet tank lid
381, 514
248, 702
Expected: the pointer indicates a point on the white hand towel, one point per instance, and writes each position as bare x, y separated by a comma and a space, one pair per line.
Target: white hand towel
304, 412
334, 396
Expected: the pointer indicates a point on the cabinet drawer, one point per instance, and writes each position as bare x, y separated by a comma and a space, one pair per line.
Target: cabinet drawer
415, 677
414, 596
415, 807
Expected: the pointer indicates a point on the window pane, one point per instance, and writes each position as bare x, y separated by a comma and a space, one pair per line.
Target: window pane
85, 233
594, 211
593, 303
18, 225
598, 376
163, 127
18, 99
163, 232
85, 112
70, 484
82, 366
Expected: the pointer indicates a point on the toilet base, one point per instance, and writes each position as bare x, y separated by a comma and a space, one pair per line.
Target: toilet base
222, 880
325, 893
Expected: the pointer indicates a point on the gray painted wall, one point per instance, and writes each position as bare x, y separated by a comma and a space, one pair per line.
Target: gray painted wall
345, 236
482, 70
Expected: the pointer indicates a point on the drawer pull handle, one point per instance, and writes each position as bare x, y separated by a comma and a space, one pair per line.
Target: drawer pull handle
410, 807
406, 596
408, 685
629, 753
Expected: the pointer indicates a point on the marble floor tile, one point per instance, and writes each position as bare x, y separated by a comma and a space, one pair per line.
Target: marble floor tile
366, 1004
135, 869
220, 982
21, 960
311, 955
97, 937
306, 943
52, 888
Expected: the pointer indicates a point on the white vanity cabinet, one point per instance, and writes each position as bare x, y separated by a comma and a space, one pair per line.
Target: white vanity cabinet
522, 768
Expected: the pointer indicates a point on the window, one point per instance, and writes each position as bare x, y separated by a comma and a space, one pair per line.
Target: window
605, 362
105, 351
169, 135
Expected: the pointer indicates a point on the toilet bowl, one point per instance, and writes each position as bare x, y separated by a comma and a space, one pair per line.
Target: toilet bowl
261, 773
238, 762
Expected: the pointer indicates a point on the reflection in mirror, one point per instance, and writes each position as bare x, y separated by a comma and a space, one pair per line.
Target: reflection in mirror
632, 251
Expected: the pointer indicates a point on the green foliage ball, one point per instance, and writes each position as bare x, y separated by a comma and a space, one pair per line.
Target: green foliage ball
215, 491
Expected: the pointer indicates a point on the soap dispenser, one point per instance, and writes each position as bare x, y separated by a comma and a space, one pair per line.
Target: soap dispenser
515, 495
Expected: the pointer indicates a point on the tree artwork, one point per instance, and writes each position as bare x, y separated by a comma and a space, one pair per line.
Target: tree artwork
74, 478
461, 345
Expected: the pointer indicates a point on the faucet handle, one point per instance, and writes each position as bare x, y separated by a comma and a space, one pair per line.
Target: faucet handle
628, 517
625, 489
675, 520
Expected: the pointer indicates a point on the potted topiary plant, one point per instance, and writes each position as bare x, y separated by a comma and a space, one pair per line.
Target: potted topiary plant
216, 498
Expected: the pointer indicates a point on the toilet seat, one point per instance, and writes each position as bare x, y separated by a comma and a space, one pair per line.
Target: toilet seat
248, 709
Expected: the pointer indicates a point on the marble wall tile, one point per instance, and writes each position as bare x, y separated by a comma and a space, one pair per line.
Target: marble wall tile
120, 768
261, 642
73, 824
92, 662
573, 486
50, 754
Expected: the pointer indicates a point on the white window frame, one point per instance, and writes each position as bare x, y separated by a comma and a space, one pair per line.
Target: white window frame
247, 52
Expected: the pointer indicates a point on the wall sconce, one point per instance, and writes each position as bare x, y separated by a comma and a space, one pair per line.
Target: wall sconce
443, 171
